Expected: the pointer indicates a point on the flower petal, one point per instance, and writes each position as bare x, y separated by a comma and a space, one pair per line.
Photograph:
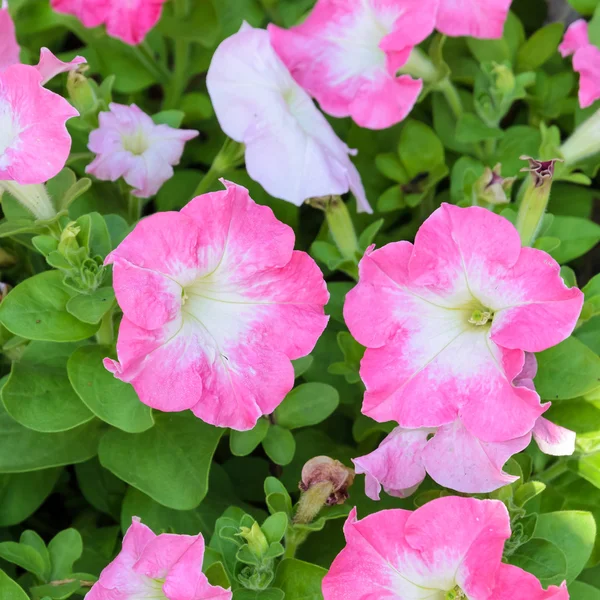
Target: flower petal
553, 439
586, 62
472, 18
9, 47
576, 37
50, 66
513, 583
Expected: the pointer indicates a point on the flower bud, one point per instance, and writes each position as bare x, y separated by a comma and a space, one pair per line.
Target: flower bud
68, 239
492, 188
82, 92
257, 542
504, 79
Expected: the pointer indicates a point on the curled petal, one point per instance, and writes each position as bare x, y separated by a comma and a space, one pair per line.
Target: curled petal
553, 439
50, 66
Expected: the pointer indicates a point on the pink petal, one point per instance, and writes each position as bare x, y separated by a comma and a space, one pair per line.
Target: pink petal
456, 459
163, 552
35, 143
9, 47
396, 465
513, 583
576, 37
472, 18
50, 66
553, 439
340, 55
586, 62
90, 13
539, 310
132, 21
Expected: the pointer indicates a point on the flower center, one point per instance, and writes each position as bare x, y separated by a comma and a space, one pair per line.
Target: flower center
455, 594
9, 131
481, 316
137, 143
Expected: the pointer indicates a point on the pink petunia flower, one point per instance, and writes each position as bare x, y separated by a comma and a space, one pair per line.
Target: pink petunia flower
447, 321
129, 21
216, 303
347, 54
34, 142
449, 548
291, 149
453, 456
49, 66
586, 61
472, 18
156, 567
129, 144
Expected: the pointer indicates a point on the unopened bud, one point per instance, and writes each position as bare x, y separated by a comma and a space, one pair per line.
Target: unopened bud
68, 238
492, 188
257, 542
504, 79
82, 92
325, 482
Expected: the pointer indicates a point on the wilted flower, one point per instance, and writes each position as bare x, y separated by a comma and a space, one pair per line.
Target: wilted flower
216, 304
347, 54
447, 321
492, 188
291, 149
152, 567
324, 470
129, 144
130, 21
449, 548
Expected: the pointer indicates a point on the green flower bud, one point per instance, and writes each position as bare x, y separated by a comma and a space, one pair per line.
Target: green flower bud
257, 542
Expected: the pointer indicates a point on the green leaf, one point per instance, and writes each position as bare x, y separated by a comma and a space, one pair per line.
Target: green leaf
279, 444
109, 398
420, 149
55, 592
100, 487
243, 443
307, 404
278, 498
23, 449
275, 526
517, 140
90, 308
24, 556
33, 540
528, 491
582, 591
38, 393
21, 494
65, 548
172, 118
9, 589
589, 468
567, 370
389, 164
543, 559
577, 236
169, 462
201, 25
574, 532
471, 128
540, 47
217, 575
36, 310
178, 190
299, 580
301, 365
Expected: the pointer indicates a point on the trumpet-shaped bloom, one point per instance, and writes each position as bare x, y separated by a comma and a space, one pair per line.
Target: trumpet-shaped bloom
128, 21
472, 18
129, 144
586, 61
216, 303
449, 548
291, 149
447, 321
49, 66
156, 567
346, 55
34, 142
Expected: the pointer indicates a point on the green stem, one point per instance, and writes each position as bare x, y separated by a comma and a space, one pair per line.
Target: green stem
553, 472
146, 57
341, 228
452, 97
533, 207
182, 58
134, 208
105, 335
229, 156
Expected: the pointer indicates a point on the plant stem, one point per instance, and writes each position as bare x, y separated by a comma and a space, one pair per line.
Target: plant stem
180, 79
229, 156
146, 57
134, 208
452, 97
553, 472
105, 335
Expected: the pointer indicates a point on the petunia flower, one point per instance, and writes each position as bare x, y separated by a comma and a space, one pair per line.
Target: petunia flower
129, 144
216, 304
291, 149
157, 567
447, 322
347, 54
586, 61
49, 66
34, 142
449, 548
128, 21
472, 18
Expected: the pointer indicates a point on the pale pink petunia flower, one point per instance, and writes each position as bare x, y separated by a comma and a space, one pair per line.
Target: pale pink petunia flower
129, 144
472, 18
347, 54
127, 20
447, 322
34, 142
586, 61
216, 304
157, 567
449, 548
291, 149
49, 66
